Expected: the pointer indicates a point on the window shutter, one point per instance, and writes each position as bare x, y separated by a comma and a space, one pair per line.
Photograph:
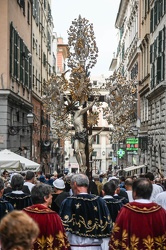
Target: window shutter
30, 73
155, 14
163, 67
21, 60
26, 67
151, 20
15, 54
158, 69
163, 39
151, 50
11, 48
160, 42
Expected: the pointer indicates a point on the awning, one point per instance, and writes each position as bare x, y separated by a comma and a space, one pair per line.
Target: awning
134, 168
11, 160
10, 165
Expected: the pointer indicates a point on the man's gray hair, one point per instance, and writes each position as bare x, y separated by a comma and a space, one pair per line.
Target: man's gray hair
39, 191
80, 179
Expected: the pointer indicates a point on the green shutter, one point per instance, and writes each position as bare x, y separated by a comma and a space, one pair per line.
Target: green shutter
30, 73
159, 69
155, 14
15, 54
11, 48
160, 42
151, 21
151, 49
21, 60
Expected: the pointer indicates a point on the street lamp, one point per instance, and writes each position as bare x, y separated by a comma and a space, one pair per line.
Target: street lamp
30, 118
135, 131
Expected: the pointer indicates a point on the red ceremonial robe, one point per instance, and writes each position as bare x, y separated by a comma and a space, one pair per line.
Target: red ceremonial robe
52, 235
139, 226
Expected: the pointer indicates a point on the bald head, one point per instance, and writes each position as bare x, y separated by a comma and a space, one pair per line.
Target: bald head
142, 189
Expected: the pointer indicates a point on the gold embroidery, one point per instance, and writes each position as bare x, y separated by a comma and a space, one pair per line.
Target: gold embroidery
82, 223
148, 243
124, 235
41, 242
159, 241
134, 241
66, 217
95, 208
84, 198
116, 228
78, 205
48, 242
89, 222
143, 210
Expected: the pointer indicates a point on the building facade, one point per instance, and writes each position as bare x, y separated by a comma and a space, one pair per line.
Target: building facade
141, 54
26, 48
156, 95
126, 61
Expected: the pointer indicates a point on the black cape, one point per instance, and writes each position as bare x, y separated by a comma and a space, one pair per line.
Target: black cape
86, 215
5, 207
19, 201
114, 205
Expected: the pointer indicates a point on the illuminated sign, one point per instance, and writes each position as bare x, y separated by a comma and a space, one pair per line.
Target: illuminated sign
120, 153
132, 144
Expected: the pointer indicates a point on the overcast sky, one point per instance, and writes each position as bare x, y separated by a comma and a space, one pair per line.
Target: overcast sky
102, 13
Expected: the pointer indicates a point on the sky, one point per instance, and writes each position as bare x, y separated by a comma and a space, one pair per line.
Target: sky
102, 13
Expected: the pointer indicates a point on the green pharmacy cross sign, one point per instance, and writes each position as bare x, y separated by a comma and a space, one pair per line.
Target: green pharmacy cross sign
120, 153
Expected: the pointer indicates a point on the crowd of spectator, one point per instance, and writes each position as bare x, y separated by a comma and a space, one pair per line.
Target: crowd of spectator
73, 211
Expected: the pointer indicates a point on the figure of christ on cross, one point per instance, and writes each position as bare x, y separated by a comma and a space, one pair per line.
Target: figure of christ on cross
81, 135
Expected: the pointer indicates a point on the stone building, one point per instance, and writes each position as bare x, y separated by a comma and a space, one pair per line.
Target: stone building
143, 77
141, 54
26, 63
157, 93
127, 56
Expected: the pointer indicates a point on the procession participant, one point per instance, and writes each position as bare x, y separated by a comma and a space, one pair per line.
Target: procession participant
29, 180
128, 186
17, 197
18, 231
161, 199
156, 188
5, 206
114, 205
59, 194
140, 224
52, 234
85, 217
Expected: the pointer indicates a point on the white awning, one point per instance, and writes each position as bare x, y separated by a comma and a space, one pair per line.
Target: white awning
15, 161
134, 168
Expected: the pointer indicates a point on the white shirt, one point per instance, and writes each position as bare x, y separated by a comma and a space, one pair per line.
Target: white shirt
130, 195
29, 184
76, 240
161, 199
108, 197
156, 190
143, 201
